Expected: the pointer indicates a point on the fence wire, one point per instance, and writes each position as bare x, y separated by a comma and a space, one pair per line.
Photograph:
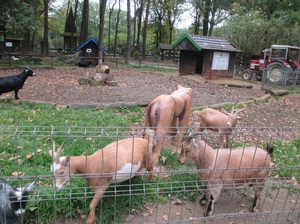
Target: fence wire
171, 196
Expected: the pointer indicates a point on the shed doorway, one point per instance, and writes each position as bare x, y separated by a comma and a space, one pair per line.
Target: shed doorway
199, 62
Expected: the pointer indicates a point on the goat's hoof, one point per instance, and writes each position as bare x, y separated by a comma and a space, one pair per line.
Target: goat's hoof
203, 202
253, 209
210, 213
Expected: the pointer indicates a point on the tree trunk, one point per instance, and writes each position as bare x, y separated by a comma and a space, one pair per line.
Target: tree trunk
85, 22
145, 30
140, 14
45, 47
117, 29
101, 31
128, 47
206, 17
109, 24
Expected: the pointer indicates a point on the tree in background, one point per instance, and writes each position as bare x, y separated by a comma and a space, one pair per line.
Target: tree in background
84, 31
102, 10
144, 48
128, 45
111, 10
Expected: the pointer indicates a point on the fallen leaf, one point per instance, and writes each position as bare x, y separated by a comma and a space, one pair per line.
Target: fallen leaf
28, 156
15, 157
165, 217
17, 174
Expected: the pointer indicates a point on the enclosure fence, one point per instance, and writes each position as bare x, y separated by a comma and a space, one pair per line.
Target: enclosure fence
169, 193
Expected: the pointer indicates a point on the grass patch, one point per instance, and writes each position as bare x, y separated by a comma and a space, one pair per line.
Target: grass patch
26, 131
286, 159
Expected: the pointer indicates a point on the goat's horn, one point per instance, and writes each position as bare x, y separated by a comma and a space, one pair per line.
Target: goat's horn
59, 150
189, 135
232, 110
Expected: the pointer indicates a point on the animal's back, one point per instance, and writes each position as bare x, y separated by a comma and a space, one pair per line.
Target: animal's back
10, 83
234, 166
157, 110
127, 151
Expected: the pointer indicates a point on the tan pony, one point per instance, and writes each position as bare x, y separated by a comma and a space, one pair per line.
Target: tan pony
162, 115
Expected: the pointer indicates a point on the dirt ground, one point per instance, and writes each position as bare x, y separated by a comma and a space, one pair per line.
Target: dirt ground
135, 87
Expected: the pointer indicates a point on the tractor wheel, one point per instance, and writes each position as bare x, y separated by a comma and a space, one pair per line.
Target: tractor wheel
247, 74
275, 73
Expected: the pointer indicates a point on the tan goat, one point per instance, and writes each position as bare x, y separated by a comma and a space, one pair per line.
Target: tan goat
117, 162
162, 115
216, 121
227, 167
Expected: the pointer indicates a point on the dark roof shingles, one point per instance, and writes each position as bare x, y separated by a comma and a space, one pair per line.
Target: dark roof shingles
214, 43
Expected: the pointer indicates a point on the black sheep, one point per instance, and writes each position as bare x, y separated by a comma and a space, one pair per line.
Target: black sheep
13, 202
84, 64
15, 82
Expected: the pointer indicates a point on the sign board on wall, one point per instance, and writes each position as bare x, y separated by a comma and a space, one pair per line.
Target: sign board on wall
8, 44
220, 60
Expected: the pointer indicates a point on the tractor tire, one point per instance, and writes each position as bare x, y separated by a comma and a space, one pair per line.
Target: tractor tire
247, 74
275, 73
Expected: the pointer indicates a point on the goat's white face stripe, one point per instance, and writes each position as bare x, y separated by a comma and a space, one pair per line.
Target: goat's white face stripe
18, 194
128, 171
20, 212
56, 166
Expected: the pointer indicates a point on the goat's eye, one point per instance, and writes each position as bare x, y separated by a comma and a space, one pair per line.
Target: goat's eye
62, 172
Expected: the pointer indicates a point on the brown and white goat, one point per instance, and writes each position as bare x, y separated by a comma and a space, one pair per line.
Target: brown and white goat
216, 121
117, 162
162, 115
227, 167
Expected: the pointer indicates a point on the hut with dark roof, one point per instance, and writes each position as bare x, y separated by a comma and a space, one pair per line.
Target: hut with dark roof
204, 55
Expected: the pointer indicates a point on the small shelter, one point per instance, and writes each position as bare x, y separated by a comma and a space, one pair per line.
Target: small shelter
204, 55
163, 48
88, 51
70, 35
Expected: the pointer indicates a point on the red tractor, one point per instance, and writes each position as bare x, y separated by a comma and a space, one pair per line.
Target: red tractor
280, 62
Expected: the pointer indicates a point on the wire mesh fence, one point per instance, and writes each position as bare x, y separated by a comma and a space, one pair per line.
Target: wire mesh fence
169, 193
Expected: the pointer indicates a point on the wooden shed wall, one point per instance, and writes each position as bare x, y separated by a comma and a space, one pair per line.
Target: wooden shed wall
93, 56
187, 62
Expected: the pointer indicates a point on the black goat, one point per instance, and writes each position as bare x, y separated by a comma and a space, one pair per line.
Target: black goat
15, 82
84, 64
13, 202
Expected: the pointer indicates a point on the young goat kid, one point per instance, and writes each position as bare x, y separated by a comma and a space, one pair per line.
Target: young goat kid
13, 202
216, 168
15, 82
117, 162
216, 121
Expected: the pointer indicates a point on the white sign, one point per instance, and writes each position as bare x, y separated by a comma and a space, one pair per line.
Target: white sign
88, 50
220, 60
8, 44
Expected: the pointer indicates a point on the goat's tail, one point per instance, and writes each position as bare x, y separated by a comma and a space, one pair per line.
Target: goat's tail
270, 149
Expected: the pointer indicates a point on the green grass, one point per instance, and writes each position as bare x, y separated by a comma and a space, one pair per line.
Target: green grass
26, 131
286, 159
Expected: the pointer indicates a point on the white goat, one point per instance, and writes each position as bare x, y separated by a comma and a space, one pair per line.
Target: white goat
117, 162
216, 168
216, 121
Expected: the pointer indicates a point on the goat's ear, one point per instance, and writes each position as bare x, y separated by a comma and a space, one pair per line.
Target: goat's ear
52, 153
29, 187
67, 161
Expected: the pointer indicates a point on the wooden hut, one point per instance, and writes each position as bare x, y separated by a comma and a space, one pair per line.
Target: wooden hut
206, 55
88, 51
70, 35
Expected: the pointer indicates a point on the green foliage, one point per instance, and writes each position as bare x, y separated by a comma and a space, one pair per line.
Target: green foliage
286, 159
